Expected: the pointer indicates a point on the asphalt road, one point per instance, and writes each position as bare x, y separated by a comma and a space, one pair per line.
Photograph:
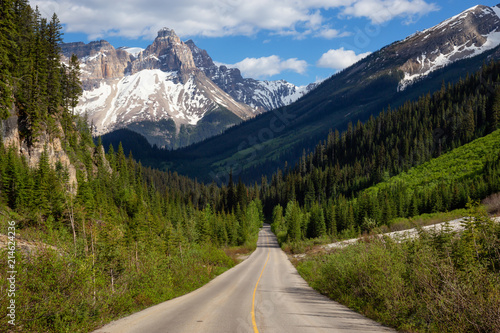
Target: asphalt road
264, 293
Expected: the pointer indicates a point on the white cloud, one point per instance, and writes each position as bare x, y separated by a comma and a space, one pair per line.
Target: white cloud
269, 66
134, 19
340, 58
328, 33
381, 11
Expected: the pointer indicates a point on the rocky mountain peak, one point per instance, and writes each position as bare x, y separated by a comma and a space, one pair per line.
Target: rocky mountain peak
167, 53
260, 95
465, 35
166, 90
167, 32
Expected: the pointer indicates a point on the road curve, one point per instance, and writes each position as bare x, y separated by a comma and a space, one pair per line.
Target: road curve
263, 294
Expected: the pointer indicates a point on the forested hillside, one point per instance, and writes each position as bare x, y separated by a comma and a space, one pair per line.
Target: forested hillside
98, 235
327, 182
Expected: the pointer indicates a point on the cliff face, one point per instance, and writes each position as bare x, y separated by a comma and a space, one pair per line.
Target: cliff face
161, 83
260, 95
167, 53
170, 81
99, 61
51, 144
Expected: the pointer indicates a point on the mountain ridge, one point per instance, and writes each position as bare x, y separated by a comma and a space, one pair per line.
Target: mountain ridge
356, 93
163, 91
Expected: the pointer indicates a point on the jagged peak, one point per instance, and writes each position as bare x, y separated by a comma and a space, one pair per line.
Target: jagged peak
166, 32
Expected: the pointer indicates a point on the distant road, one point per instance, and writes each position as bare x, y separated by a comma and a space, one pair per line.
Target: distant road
264, 293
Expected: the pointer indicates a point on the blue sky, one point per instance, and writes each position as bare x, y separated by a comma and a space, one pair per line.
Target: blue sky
300, 41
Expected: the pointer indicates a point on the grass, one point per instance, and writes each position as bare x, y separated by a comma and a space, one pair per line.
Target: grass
466, 161
437, 283
58, 291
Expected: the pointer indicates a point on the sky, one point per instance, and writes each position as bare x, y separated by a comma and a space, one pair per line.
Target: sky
300, 41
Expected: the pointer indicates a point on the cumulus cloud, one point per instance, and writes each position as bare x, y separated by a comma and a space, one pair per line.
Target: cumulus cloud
268, 66
135, 19
340, 58
381, 11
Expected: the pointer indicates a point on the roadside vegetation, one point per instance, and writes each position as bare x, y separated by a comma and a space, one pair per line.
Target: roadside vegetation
112, 237
439, 282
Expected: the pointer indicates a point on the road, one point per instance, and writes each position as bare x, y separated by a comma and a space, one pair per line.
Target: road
264, 293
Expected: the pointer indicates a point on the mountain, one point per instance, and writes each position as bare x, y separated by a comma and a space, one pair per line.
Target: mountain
396, 73
158, 92
261, 95
466, 35
171, 92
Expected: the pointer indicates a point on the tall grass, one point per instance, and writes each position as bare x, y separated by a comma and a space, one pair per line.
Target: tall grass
441, 282
57, 292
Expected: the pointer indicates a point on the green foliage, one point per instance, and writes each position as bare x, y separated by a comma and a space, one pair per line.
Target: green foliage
349, 174
129, 238
293, 219
34, 84
438, 283
123, 237
61, 293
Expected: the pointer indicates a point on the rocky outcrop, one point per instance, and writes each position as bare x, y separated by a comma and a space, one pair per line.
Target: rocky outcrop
98, 61
51, 144
468, 34
169, 80
161, 82
167, 53
261, 95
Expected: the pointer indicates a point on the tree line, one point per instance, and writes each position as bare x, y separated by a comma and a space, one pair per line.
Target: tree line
35, 85
327, 183
124, 236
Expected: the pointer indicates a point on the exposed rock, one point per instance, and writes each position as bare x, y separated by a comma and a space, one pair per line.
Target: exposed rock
169, 80
261, 95
45, 142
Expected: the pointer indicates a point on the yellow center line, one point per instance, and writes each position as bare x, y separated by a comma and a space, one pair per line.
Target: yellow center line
254, 323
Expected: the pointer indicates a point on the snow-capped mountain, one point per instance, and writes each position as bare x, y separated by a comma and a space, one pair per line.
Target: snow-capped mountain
261, 95
167, 89
387, 77
465, 35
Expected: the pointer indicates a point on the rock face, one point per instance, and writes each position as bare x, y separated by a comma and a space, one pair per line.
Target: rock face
167, 53
9, 132
122, 89
261, 95
99, 61
470, 33
168, 88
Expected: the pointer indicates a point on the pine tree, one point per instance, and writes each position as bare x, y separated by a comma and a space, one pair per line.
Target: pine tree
493, 115
316, 227
74, 89
54, 39
231, 193
293, 218
7, 51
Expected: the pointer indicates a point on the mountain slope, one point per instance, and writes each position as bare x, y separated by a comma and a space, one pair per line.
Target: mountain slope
159, 83
261, 95
164, 91
359, 91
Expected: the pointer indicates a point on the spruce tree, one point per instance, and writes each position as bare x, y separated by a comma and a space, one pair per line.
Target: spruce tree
7, 51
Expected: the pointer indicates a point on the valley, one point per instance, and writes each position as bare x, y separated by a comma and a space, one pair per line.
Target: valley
151, 187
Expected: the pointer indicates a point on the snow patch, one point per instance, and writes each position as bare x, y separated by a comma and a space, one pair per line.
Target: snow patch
147, 95
458, 52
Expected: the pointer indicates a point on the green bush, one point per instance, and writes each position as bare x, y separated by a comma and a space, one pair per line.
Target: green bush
441, 282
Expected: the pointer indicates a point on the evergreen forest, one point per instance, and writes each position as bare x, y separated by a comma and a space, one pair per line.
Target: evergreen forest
115, 237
